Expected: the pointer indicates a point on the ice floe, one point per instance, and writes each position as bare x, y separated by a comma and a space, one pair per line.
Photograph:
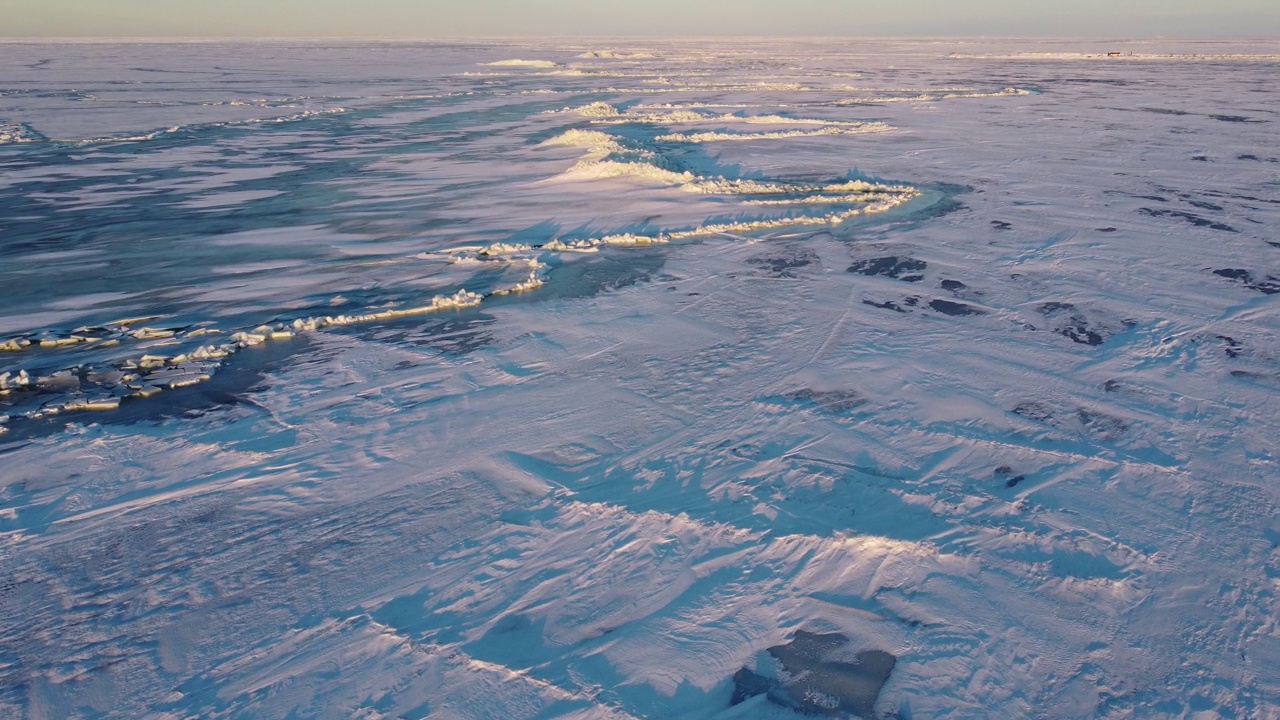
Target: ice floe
1012, 449
517, 62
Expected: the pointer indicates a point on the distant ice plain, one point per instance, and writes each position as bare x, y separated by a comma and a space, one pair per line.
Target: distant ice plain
1017, 430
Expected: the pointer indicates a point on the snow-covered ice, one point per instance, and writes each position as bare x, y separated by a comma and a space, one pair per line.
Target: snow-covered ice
905, 379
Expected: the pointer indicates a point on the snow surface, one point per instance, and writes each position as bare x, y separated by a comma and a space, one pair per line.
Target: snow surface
339, 381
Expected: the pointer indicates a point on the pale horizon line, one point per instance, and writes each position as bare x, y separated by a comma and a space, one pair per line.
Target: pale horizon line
1191, 39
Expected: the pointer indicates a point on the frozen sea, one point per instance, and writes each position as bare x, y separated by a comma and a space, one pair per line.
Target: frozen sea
566, 379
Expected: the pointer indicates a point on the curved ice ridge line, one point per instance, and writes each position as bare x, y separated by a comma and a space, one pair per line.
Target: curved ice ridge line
604, 113
694, 106
874, 204
607, 157
704, 137
618, 55
151, 374
926, 97
176, 129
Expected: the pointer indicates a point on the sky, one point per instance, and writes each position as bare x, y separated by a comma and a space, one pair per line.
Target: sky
655, 18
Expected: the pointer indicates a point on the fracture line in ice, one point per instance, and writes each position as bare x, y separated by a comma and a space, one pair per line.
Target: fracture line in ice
517, 62
618, 55
704, 137
15, 133
606, 156
604, 113
933, 97
609, 156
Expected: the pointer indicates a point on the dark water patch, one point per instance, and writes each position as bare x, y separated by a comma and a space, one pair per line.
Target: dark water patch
1106, 229
891, 266
1005, 473
886, 305
1267, 380
1112, 386
1235, 196
1163, 111
939, 200
1204, 205
1231, 347
1200, 158
1082, 334
1101, 425
457, 334
827, 401
954, 309
1001, 225
1272, 243
591, 276
1034, 410
232, 385
1070, 322
1093, 423
817, 676
1269, 286
1096, 81
911, 300
1189, 217
1236, 119
784, 261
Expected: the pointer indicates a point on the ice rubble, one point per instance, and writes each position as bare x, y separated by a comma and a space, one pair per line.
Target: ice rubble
149, 374
17, 133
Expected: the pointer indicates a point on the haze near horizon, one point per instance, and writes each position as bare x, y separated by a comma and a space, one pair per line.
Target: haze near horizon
407, 19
